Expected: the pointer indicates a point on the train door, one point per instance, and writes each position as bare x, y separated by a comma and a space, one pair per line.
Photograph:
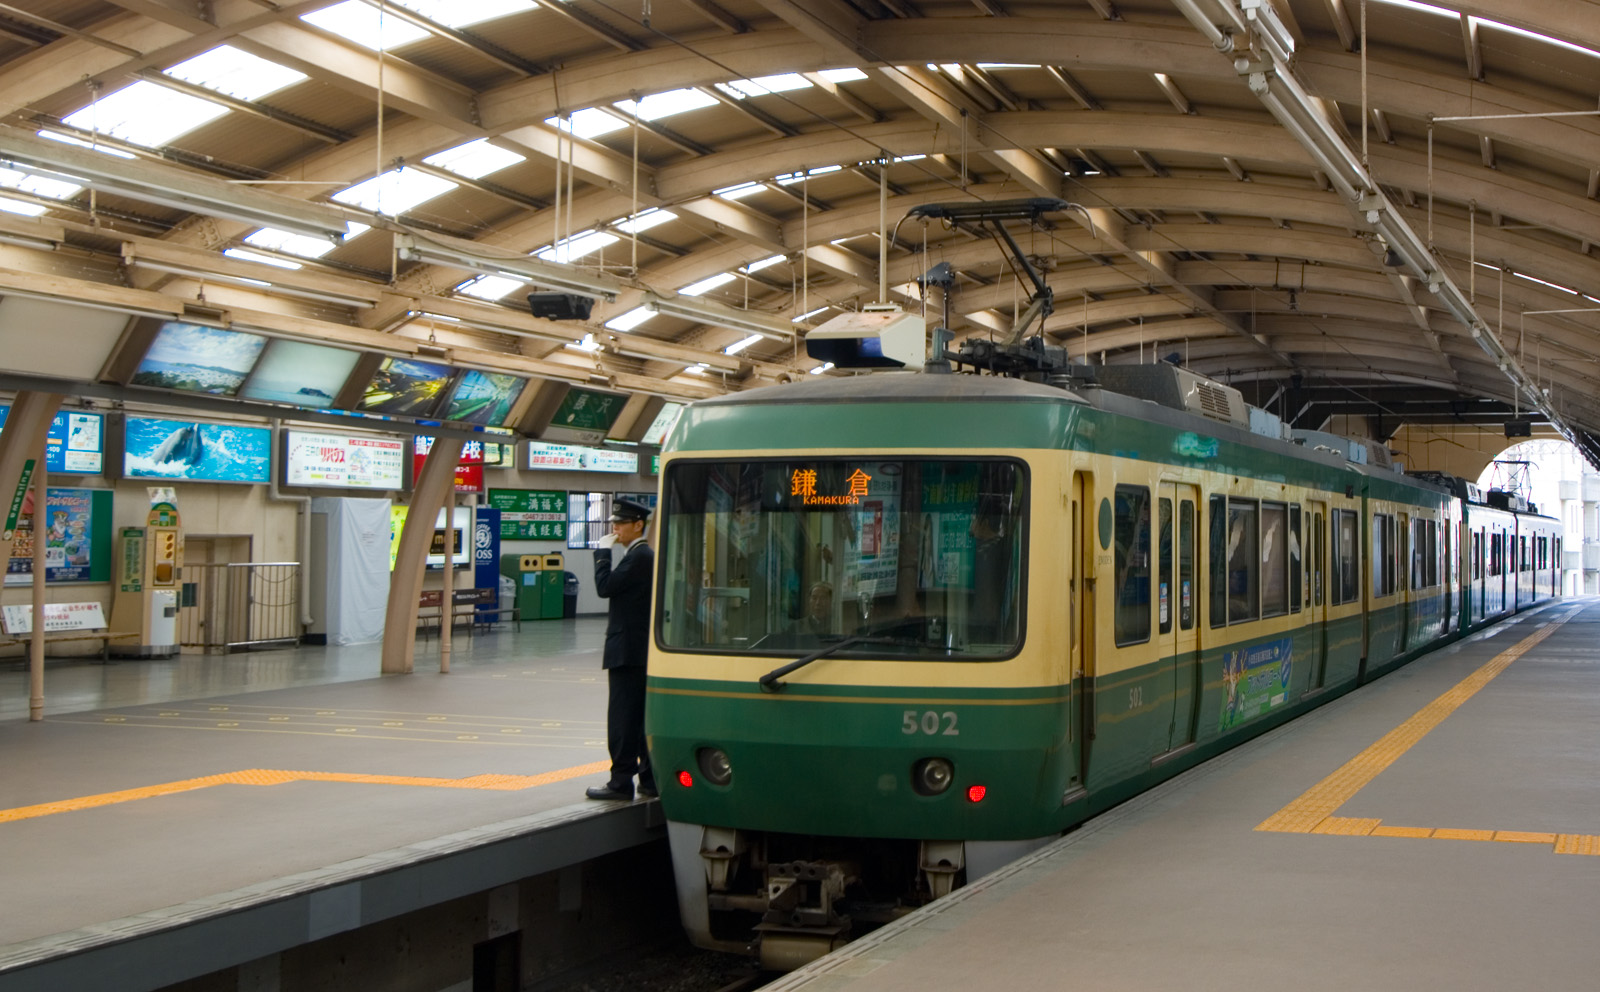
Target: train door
1316, 598
1403, 583
1080, 596
1176, 526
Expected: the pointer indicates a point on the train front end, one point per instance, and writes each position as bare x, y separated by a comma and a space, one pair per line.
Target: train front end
857, 699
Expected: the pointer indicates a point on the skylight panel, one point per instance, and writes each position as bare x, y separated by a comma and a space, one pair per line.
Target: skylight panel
848, 75
67, 139
762, 85
588, 343
1542, 282
238, 74
289, 243
491, 287
250, 256
1569, 46
789, 179
762, 264
54, 189
591, 122
394, 192
475, 159
577, 246
628, 321
1426, 7
1007, 65
707, 284
463, 13
644, 220
659, 105
11, 206
738, 192
364, 24
146, 114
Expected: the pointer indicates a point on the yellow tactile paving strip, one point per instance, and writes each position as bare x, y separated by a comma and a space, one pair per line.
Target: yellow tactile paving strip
1313, 812
265, 776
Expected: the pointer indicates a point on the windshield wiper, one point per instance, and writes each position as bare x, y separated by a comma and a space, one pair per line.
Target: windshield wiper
770, 681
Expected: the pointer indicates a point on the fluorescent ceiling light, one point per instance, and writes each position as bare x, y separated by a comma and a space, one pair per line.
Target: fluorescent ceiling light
467, 255
812, 313
67, 139
848, 75
587, 344
738, 192
1425, 7
707, 284
463, 13
659, 105
719, 315
644, 220
11, 206
491, 287
628, 321
591, 122
739, 89
393, 193
289, 243
577, 246
357, 21
146, 114
1007, 65
789, 179
53, 189
738, 346
236, 73
475, 159
762, 264
250, 256
825, 366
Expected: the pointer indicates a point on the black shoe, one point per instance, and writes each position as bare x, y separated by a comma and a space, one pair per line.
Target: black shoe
609, 792
648, 792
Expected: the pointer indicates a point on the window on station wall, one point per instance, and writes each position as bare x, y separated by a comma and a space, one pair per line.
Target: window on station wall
1382, 555
1132, 562
588, 518
1274, 559
1296, 572
1346, 557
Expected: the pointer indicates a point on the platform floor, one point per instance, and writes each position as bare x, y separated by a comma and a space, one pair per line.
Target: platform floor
155, 783
1437, 829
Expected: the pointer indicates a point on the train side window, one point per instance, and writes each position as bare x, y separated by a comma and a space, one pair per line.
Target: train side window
1186, 564
1274, 559
1296, 573
1346, 558
1382, 554
1132, 540
1318, 538
1244, 578
1218, 557
1164, 579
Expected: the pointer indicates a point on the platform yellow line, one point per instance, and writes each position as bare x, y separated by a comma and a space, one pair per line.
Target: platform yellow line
264, 776
1308, 813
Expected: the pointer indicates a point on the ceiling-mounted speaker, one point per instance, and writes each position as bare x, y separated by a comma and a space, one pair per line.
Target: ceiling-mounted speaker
561, 306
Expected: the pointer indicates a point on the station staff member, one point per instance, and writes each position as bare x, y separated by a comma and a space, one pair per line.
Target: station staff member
626, 585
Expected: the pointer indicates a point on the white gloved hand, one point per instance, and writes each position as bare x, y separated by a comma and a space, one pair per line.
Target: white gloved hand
606, 542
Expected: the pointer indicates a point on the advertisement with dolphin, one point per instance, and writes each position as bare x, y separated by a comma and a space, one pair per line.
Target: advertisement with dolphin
196, 451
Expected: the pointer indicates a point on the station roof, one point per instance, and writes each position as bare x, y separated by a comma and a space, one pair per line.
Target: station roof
1301, 216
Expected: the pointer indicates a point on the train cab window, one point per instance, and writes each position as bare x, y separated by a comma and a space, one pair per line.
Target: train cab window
1244, 577
1274, 559
1131, 539
1186, 564
786, 556
1296, 573
1164, 579
1382, 555
1346, 557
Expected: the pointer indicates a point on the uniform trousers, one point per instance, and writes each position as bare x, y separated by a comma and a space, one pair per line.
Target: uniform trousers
625, 728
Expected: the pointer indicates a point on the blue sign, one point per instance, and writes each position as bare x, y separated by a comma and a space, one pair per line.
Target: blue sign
77, 441
486, 552
196, 451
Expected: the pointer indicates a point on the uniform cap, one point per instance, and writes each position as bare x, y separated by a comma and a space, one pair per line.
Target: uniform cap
627, 511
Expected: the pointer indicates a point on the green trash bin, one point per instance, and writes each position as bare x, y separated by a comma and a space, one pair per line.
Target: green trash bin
525, 571
551, 585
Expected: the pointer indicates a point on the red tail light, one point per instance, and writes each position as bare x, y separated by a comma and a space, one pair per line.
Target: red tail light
685, 779
975, 793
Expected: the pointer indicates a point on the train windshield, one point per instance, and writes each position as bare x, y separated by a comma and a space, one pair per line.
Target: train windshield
788, 557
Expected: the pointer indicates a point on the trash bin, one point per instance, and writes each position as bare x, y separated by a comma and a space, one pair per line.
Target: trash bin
569, 604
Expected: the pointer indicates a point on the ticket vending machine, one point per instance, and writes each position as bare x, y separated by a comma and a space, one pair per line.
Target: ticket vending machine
149, 563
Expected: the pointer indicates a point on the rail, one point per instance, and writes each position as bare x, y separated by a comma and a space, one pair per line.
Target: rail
227, 607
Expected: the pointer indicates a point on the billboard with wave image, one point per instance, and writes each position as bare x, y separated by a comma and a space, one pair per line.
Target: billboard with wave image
196, 451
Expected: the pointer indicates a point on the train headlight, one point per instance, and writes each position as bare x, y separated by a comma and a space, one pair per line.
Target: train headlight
714, 764
931, 776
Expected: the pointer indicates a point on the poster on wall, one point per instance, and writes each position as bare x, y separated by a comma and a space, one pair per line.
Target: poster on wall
577, 458
77, 535
196, 451
530, 514
469, 469
343, 462
76, 443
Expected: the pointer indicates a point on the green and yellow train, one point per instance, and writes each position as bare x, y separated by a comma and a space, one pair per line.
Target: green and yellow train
910, 626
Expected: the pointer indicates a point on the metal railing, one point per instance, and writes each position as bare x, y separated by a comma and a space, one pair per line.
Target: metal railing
239, 605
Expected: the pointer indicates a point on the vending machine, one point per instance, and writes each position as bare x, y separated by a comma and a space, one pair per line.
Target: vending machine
149, 573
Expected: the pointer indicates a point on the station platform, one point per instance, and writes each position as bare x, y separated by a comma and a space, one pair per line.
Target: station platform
169, 815
1436, 829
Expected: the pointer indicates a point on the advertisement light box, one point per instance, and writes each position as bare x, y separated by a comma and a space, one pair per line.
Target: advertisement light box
195, 451
76, 444
193, 358
340, 461
577, 458
300, 374
484, 397
406, 387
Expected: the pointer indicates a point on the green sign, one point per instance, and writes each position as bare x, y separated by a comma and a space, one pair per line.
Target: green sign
131, 564
530, 514
655, 464
23, 482
585, 410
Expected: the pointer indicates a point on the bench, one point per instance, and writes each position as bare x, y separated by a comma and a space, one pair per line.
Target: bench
63, 622
465, 606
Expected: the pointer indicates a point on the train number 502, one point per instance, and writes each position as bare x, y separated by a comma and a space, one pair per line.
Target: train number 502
929, 722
